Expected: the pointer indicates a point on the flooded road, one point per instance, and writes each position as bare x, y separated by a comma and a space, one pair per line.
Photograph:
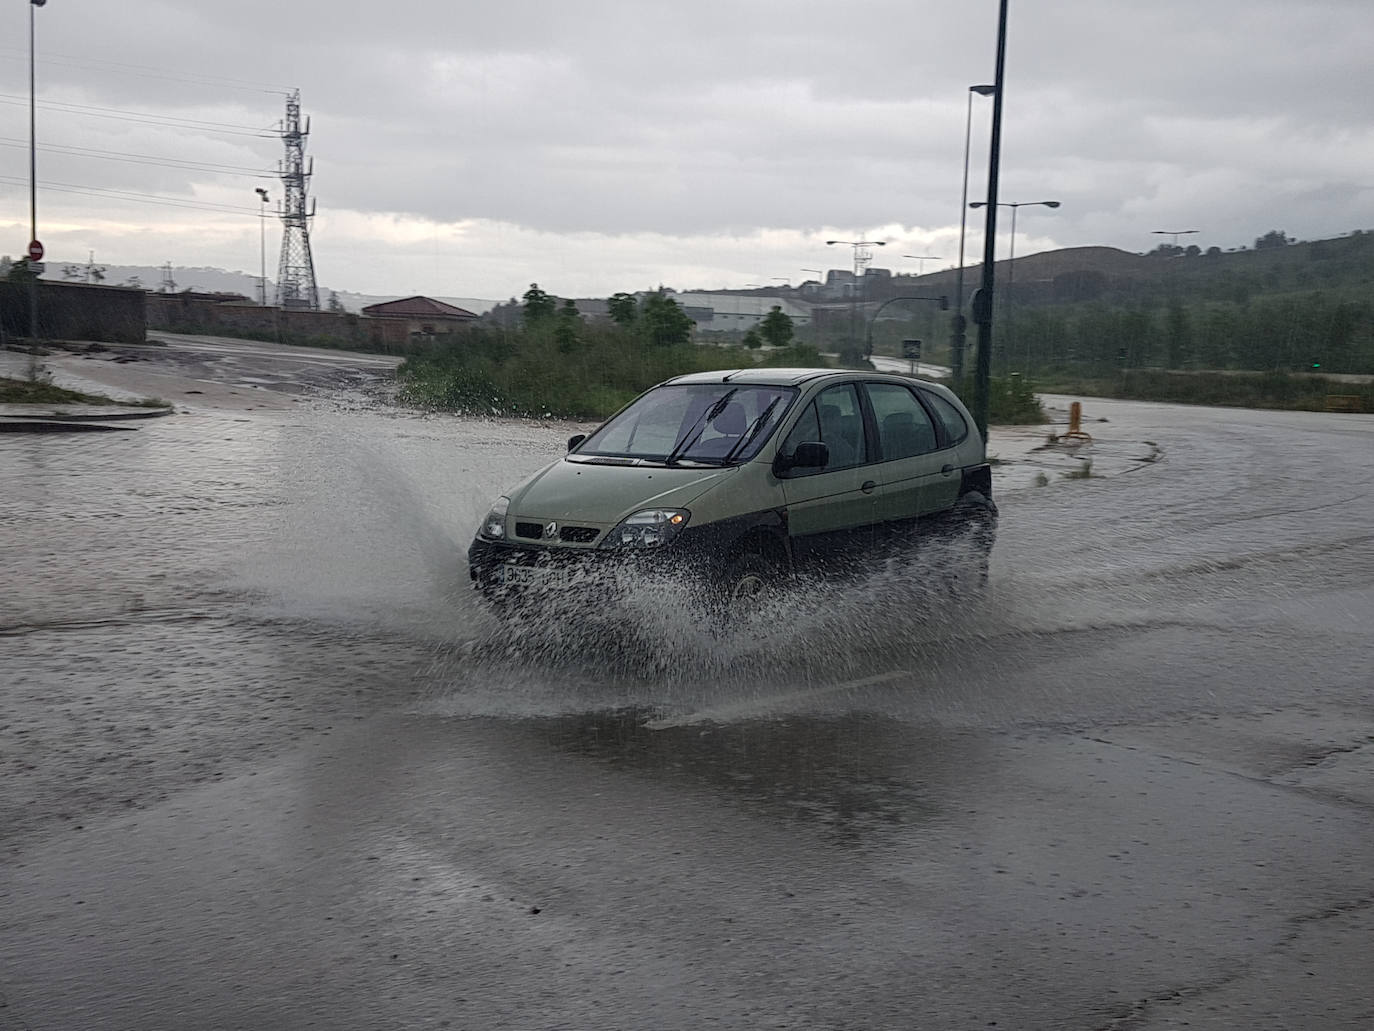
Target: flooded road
266, 763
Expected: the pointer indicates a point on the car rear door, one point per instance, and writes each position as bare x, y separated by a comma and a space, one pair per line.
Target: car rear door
831, 511
916, 476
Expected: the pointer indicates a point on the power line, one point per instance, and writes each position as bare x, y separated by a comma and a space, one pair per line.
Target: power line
142, 117
144, 198
147, 71
142, 159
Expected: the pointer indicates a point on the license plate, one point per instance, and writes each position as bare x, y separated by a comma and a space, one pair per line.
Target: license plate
533, 576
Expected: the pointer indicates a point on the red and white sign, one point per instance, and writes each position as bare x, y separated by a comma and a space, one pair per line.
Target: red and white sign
35, 251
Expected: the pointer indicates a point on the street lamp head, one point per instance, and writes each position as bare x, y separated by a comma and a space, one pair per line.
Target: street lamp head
261, 193
978, 204
983, 91
831, 243
878, 243
38, 3
1050, 203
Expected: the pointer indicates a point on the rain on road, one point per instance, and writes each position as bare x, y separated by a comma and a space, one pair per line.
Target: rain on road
266, 763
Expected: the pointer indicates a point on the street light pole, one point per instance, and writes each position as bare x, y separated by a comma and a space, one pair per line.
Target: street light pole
1011, 259
960, 323
922, 259
815, 322
1175, 233
33, 172
262, 246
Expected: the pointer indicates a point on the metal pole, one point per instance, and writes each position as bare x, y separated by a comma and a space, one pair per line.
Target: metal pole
982, 385
1011, 275
957, 344
33, 177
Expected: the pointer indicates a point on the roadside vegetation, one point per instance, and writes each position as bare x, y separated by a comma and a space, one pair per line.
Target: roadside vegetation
556, 364
1226, 389
1011, 401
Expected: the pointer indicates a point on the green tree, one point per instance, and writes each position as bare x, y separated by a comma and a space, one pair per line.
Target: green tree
1179, 339
622, 308
776, 327
1272, 239
539, 306
752, 339
665, 323
565, 333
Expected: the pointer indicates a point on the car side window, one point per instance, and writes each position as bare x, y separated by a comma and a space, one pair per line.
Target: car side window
835, 420
904, 428
956, 427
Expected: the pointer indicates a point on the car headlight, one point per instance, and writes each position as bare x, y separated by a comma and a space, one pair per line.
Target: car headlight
494, 525
650, 528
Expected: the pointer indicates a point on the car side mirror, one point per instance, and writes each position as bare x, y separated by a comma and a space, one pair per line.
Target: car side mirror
810, 454
575, 439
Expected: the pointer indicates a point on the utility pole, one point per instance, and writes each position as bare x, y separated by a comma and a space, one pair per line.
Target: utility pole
296, 272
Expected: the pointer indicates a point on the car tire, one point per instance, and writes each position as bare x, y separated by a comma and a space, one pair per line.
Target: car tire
748, 581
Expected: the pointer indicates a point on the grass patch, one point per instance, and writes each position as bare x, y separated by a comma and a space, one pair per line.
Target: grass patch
1279, 390
40, 392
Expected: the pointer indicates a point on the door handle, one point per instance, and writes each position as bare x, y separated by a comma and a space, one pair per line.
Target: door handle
868, 486
946, 470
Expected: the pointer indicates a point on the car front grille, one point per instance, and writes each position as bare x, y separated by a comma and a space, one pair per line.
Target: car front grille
566, 534
578, 534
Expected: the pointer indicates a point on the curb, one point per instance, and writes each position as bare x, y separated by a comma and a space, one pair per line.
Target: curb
37, 424
150, 413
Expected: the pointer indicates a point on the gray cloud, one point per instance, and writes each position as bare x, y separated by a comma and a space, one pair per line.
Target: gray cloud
719, 119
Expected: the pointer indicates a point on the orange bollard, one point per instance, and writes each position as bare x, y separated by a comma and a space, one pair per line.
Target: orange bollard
1076, 424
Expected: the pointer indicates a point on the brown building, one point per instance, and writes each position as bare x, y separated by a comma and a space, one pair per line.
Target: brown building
422, 316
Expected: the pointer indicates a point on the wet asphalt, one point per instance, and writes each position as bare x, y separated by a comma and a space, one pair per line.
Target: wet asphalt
266, 764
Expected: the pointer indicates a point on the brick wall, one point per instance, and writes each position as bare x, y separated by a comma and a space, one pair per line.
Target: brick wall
76, 311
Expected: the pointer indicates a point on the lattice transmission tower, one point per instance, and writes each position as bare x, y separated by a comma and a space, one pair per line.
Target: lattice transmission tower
296, 272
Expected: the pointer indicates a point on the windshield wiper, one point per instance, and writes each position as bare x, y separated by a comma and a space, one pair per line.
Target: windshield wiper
753, 429
699, 427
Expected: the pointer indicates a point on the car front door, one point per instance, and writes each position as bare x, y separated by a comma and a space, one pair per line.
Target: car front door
831, 511
915, 476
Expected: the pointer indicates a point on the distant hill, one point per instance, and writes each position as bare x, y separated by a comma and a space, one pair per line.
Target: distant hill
218, 280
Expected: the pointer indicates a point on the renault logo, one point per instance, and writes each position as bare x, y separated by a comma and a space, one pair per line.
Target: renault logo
550, 531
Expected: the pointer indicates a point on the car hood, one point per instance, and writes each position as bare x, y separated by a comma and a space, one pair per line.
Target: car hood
592, 493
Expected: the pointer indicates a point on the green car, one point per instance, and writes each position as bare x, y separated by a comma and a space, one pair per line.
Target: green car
737, 480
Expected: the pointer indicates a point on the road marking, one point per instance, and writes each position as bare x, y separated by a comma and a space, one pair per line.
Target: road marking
762, 706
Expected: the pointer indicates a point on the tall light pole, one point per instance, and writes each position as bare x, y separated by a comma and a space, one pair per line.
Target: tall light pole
815, 322
1175, 233
1011, 259
262, 245
862, 256
35, 248
961, 323
922, 258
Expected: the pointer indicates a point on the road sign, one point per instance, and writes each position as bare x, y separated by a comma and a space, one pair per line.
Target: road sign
35, 251
37, 267
911, 350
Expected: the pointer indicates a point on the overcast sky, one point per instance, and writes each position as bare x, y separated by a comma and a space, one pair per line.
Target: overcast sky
469, 149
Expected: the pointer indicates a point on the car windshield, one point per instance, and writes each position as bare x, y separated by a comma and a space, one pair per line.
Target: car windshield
711, 423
